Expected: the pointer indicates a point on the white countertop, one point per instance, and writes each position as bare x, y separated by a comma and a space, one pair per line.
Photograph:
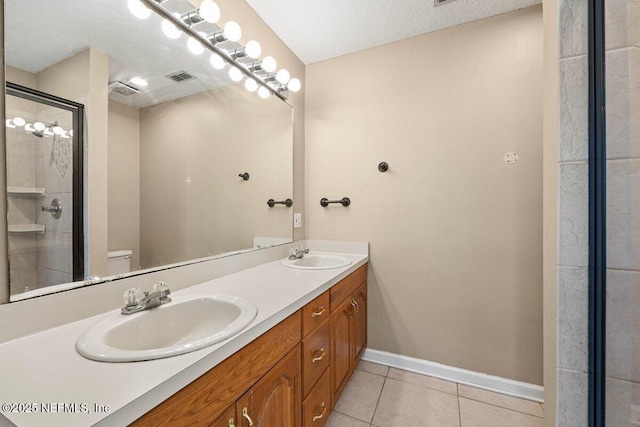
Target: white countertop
45, 368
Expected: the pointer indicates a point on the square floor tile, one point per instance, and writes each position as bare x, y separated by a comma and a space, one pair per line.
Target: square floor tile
373, 368
497, 399
423, 380
360, 396
478, 414
402, 404
340, 420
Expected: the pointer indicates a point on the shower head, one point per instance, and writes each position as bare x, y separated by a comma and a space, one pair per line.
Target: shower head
38, 133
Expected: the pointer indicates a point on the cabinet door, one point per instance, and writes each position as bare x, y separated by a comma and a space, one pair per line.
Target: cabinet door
228, 419
359, 324
341, 364
274, 401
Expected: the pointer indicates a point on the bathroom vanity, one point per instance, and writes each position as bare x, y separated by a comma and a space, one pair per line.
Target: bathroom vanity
287, 368
290, 376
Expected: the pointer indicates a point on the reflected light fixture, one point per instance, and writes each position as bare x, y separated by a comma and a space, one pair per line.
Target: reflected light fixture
262, 73
139, 81
235, 74
19, 121
216, 61
170, 30
138, 9
39, 126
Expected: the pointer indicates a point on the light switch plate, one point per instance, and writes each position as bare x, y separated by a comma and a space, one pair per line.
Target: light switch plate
297, 220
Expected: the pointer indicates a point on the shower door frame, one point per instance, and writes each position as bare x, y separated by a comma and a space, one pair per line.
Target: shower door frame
597, 214
77, 111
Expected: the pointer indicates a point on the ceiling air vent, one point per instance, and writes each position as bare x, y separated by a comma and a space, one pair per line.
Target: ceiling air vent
122, 89
441, 2
180, 76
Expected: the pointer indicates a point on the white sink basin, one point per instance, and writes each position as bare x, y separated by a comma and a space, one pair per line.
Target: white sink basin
186, 324
317, 262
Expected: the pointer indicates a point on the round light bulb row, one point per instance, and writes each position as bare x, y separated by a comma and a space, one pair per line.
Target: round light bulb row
262, 71
38, 128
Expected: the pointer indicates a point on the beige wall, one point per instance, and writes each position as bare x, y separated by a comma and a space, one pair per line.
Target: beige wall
455, 233
4, 259
84, 78
192, 150
124, 180
550, 192
253, 27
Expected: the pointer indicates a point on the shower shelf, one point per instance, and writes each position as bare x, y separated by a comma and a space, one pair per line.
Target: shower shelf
25, 191
27, 228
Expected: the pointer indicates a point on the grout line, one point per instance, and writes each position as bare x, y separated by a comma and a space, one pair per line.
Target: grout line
378, 401
459, 407
501, 407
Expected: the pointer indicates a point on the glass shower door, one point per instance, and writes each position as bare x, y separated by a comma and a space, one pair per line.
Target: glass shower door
42, 193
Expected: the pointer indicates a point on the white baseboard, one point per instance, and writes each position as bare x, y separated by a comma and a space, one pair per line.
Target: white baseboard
475, 379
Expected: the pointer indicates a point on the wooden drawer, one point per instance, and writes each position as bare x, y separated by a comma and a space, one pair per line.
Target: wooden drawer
316, 407
315, 357
314, 313
347, 286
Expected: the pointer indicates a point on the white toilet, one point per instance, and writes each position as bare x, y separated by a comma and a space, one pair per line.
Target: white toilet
119, 262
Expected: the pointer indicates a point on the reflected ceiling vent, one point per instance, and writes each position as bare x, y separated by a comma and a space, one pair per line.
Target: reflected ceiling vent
180, 76
122, 89
441, 2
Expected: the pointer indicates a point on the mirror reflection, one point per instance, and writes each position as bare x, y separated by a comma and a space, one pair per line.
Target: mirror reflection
125, 154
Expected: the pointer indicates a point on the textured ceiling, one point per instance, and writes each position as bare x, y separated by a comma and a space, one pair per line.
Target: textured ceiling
320, 30
40, 33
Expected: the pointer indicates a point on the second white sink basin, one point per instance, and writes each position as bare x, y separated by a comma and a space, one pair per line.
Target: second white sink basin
186, 324
317, 262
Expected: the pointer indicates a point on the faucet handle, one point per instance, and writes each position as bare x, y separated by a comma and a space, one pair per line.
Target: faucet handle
161, 286
132, 296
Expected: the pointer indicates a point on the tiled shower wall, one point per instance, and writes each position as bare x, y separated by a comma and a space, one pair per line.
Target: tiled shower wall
623, 209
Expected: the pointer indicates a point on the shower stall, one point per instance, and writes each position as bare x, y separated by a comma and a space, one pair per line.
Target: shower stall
44, 135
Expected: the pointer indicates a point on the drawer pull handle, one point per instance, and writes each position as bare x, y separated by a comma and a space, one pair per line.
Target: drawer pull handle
320, 312
231, 423
244, 414
317, 417
320, 355
353, 308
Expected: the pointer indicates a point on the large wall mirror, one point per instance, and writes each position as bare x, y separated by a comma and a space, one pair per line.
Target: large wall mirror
126, 152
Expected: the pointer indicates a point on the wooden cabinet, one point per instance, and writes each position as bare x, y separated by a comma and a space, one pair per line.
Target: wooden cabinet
290, 376
348, 329
275, 400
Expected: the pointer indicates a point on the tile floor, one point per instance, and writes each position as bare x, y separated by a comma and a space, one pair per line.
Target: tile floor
379, 396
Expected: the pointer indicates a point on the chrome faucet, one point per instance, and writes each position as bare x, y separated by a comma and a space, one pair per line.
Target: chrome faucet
135, 300
298, 252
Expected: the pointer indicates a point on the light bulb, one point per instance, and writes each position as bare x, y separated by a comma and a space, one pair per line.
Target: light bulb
58, 130
29, 127
283, 76
47, 132
216, 61
209, 11
253, 49
294, 85
235, 74
195, 46
269, 64
71, 132
138, 9
169, 29
39, 126
232, 31
19, 121
263, 92
139, 81
251, 85
8, 123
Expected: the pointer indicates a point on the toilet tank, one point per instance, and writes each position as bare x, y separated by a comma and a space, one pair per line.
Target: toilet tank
119, 262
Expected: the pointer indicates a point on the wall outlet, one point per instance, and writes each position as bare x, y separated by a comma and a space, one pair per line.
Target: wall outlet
297, 220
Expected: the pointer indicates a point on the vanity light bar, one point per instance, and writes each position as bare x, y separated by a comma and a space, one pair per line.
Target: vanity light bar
253, 70
38, 128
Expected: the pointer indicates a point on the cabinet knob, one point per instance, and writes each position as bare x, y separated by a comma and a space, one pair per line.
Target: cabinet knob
322, 414
320, 312
320, 354
246, 415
